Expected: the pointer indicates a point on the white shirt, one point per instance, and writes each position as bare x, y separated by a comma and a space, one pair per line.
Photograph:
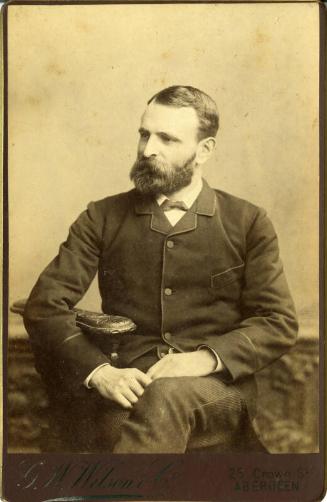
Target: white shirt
188, 195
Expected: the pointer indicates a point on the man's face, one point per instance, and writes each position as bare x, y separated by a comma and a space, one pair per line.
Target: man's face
166, 149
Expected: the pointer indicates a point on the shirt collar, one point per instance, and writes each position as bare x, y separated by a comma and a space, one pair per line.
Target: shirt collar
206, 202
188, 194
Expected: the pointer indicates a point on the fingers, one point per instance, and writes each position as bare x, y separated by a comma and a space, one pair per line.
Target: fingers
124, 386
123, 401
125, 398
143, 378
167, 367
152, 371
130, 396
132, 389
157, 373
159, 366
136, 387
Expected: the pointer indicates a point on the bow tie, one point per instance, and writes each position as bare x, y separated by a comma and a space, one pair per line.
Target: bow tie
167, 205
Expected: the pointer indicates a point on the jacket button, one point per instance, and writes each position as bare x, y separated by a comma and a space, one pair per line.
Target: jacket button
167, 336
170, 244
168, 292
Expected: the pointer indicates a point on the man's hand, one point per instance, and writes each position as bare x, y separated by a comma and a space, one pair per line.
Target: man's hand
124, 386
198, 363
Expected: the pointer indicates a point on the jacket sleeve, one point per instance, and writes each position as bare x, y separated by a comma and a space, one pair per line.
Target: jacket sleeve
269, 326
48, 319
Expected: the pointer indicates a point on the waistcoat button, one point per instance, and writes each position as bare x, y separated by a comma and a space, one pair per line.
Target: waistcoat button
167, 336
170, 244
168, 291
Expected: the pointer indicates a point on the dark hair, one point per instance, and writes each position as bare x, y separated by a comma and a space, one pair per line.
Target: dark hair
187, 96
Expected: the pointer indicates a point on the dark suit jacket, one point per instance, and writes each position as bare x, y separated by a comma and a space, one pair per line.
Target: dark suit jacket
215, 279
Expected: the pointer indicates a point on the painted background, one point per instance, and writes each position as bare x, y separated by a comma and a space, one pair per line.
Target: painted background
79, 78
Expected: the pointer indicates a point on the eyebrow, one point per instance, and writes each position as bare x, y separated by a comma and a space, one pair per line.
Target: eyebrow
163, 134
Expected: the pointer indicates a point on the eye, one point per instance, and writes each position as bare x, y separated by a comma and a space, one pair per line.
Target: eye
144, 135
166, 139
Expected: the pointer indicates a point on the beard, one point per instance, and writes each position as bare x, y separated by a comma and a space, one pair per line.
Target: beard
152, 176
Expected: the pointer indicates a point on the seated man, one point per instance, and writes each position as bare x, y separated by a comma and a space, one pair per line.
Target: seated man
196, 269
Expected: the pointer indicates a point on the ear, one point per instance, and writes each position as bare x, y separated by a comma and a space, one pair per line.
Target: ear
204, 150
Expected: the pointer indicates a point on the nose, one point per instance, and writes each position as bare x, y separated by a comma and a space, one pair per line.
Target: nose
150, 147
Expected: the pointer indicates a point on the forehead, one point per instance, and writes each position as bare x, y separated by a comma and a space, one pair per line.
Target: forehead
181, 122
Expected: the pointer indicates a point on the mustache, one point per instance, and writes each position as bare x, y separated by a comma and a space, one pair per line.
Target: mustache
150, 166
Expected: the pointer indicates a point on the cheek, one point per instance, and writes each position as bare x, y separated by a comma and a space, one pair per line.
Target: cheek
182, 157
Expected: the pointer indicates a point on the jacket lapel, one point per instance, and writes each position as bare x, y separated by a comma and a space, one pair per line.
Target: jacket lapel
148, 206
204, 205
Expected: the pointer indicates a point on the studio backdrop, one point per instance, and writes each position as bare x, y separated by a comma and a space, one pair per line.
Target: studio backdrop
79, 77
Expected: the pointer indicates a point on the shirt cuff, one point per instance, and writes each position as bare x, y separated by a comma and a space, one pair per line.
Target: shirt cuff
220, 366
88, 378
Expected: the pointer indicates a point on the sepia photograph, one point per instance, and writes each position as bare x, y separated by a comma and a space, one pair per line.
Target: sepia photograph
164, 272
